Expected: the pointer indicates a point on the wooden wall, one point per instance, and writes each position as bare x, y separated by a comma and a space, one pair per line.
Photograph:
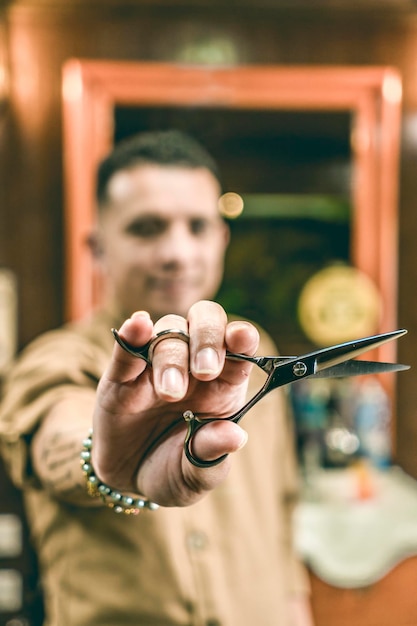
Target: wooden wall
42, 35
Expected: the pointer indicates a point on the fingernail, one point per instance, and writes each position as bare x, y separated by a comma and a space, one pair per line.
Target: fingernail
172, 382
140, 314
206, 361
243, 440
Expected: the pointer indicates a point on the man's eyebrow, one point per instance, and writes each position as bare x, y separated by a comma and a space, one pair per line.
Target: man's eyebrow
143, 219
147, 216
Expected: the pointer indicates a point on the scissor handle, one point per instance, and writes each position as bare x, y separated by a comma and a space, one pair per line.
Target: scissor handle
146, 352
193, 425
281, 374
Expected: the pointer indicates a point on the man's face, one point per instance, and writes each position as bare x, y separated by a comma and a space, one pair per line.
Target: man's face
161, 239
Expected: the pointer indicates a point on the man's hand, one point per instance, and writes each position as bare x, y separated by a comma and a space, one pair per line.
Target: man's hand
138, 425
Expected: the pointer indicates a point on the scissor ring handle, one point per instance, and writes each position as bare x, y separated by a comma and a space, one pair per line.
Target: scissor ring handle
170, 333
193, 425
146, 352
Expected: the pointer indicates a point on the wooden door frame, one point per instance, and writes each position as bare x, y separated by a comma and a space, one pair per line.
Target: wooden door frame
92, 89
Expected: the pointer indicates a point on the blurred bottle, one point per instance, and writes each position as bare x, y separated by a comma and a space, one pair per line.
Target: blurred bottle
310, 400
341, 439
373, 422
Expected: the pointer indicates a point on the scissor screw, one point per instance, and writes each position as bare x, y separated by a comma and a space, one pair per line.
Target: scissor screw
188, 416
299, 368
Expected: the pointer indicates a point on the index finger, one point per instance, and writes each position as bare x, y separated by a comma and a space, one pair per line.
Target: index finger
136, 331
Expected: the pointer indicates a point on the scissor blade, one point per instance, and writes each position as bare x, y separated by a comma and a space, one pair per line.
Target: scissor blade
340, 353
359, 368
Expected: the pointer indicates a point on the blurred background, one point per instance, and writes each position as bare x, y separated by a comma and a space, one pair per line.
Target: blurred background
295, 171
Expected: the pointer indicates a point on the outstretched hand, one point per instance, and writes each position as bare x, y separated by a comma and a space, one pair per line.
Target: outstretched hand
138, 425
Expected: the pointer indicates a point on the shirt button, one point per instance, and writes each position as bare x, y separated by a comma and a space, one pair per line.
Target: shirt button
197, 540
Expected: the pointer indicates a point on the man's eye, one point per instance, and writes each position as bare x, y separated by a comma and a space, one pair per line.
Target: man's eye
199, 226
145, 228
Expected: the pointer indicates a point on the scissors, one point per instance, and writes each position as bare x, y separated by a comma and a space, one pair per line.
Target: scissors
333, 362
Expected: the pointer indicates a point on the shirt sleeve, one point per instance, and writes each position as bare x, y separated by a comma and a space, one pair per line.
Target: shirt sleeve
55, 365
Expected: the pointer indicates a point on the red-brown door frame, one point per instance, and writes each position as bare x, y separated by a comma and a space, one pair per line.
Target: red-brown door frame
92, 90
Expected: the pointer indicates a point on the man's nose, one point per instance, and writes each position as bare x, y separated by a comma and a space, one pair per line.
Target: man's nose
179, 244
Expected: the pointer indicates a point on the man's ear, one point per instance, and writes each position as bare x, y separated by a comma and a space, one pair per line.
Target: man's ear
226, 234
95, 245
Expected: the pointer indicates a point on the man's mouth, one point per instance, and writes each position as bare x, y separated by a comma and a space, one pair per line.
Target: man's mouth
173, 284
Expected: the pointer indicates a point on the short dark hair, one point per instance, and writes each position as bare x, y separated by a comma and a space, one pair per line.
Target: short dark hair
165, 147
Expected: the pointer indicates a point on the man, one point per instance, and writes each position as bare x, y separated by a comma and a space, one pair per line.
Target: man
218, 550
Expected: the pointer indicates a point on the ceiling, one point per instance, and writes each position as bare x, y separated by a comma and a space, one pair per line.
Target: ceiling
391, 6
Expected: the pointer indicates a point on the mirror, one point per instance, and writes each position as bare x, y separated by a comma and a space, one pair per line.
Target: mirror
264, 124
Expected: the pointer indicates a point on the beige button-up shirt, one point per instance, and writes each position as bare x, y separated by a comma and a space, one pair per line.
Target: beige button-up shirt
225, 561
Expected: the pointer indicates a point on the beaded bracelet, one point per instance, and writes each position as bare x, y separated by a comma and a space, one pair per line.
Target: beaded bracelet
114, 499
